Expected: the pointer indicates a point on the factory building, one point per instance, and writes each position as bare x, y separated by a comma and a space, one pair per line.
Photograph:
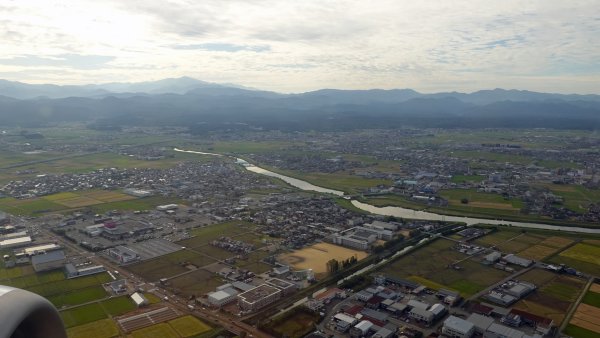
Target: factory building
15, 242
49, 261
222, 297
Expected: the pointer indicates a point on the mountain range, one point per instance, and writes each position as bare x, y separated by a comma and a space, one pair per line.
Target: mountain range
203, 106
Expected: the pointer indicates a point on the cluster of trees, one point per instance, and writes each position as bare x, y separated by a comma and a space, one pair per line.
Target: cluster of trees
333, 265
389, 244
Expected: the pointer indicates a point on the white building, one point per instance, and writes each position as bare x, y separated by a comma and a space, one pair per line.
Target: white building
15, 242
422, 315
222, 297
139, 299
258, 297
455, 327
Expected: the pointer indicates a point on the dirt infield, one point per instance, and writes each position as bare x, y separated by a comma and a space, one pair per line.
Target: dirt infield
595, 288
586, 317
316, 256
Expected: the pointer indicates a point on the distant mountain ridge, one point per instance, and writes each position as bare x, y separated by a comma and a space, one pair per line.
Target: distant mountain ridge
203, 106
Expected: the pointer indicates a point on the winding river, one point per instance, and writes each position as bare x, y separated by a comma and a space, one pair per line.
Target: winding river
396, 211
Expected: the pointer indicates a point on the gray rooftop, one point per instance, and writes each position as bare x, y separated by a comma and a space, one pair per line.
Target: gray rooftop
48, 257
458, 324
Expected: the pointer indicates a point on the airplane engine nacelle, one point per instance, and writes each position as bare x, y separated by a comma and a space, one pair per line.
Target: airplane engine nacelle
26, 315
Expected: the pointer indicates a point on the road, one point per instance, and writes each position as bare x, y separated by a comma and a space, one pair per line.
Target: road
230, 323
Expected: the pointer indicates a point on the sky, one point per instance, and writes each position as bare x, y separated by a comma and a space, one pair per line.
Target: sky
302, 45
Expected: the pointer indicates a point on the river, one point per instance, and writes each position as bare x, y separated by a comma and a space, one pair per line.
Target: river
397, 211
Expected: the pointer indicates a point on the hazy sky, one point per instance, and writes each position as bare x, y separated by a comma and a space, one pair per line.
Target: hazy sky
300, 45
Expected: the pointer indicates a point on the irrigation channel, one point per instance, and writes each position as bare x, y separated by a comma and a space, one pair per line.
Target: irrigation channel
396, 211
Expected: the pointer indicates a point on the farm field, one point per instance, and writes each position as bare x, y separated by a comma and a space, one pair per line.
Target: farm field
316, 256
189, 326
98, 200
430, 265
169, 265
554, 296
295, 324
586, 317
104, 328
118, 305
196, 282
584, 257
82, 315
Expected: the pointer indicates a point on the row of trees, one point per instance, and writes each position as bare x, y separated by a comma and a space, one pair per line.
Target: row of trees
333, 265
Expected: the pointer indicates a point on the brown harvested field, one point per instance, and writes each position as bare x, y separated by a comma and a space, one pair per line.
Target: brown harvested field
541, 310
78, 202
592, 242
595, 288
196, 283
587, 317
316, 256
109, 196
556, 242
537, 252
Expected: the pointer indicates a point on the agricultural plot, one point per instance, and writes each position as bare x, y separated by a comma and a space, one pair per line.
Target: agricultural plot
78, 297
433, 265
169, 265
316, 256
584, 257
554, 296
82, 315
295, 325
118, 305
162, 330
545, 248
189, 326
105, 328
196, 282
586, 317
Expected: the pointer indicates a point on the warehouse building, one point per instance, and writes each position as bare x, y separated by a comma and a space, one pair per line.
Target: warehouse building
222, 297
15, 242
139, 299
49, 261
34, 250
512, 259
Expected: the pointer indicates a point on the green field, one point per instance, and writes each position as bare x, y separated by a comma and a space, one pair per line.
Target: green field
592, 298
105, 328
162, 330
575, 197
584, 257
189, 326
118, 305
578, 332
78, 297
169, 265
82, 315
432, 263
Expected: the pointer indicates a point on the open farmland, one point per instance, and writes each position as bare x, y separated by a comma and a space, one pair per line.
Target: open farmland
294, 324
316, 256
584, 256
196, 282
169, 265
162, 330
554, 296
586, 317
432, 263
82, 315
189, 326
104, 328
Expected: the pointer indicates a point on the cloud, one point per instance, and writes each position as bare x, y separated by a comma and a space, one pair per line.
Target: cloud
224, 47
428, 45
63, 60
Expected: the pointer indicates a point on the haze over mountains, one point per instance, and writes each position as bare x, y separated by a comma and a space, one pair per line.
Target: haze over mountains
206, 106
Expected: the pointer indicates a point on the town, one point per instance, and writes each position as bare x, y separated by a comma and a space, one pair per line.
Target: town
141, 238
